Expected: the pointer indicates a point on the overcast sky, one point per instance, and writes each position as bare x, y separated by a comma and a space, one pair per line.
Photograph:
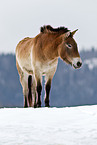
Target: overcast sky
23, 18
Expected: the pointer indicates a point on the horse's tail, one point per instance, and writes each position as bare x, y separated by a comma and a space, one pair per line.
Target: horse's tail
30, 91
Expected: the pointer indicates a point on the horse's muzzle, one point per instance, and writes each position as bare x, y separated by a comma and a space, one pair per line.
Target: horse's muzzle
77, 62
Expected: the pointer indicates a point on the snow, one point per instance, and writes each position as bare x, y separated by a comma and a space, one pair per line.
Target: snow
92, 63
49, 126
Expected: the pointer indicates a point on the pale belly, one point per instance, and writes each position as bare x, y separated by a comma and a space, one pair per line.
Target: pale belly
46, 67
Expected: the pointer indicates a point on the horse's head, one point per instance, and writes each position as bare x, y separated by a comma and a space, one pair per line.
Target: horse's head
69, 50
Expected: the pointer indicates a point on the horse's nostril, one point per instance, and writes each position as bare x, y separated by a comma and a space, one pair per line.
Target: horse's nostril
79, 64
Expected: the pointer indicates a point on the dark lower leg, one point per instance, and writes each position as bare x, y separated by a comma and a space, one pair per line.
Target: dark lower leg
25, 102
35, 104
30, 93
48, 87
39, 89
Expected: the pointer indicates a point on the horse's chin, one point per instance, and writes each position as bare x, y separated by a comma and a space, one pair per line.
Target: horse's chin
75, 67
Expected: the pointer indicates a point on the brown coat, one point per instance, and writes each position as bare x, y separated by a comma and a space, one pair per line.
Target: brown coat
38, 56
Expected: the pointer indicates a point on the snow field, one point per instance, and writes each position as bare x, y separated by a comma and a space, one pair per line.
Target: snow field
49, 126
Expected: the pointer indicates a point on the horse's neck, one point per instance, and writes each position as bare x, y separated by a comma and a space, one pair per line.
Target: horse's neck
47, 44
52, 41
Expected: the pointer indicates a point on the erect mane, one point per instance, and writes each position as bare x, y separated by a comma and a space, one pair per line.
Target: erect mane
49, 29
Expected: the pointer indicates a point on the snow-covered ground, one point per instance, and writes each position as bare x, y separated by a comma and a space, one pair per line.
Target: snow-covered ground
49, 126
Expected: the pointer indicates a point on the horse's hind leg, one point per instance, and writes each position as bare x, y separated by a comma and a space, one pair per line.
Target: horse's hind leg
24, 82
29, 90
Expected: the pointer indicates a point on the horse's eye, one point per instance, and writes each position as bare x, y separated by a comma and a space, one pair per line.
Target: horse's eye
69, 45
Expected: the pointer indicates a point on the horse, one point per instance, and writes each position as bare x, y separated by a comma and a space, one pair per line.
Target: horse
38, 56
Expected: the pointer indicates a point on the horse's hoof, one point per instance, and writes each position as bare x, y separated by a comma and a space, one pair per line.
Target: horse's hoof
38, 104
47, 105
35, 105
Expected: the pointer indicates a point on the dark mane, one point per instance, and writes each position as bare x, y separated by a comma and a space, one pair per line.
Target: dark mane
48, 28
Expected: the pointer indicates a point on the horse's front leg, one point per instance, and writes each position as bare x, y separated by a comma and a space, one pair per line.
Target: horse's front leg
39, 89
47, 88
48, 78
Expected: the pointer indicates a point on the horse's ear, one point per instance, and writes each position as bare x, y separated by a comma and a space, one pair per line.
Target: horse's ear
67, 34
72, 33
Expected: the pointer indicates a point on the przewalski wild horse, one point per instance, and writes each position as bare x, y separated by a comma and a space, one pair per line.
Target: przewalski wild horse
38, 56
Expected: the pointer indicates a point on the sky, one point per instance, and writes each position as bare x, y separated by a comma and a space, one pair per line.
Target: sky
23, 18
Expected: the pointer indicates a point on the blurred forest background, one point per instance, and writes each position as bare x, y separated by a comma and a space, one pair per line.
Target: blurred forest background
70, 87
